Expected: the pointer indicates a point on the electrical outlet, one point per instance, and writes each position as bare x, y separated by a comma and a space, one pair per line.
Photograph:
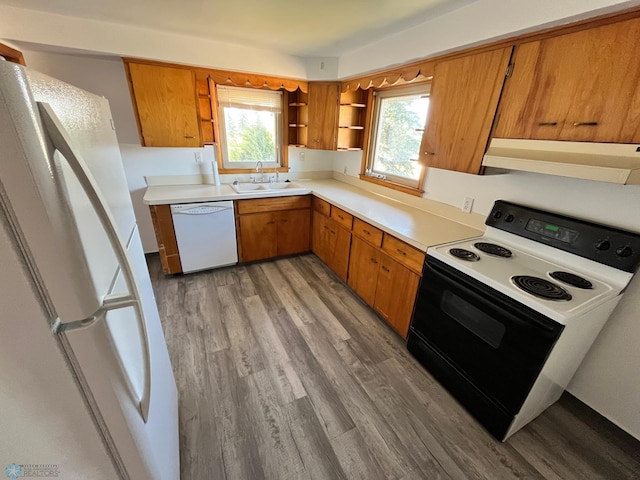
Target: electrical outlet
468, 203
344, 170
198, 157
302, 156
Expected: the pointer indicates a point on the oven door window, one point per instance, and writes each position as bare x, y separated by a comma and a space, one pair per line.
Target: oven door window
473, 319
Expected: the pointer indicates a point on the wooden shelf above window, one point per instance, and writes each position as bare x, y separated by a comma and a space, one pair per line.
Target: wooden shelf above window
352, 127
356, 105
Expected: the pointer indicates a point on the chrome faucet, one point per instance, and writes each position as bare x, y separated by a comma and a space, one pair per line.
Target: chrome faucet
260, 169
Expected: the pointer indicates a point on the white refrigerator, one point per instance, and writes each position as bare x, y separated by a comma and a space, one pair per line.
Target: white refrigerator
87, 389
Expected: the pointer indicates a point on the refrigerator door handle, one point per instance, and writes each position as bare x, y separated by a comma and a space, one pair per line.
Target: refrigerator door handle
110, 302
61, 142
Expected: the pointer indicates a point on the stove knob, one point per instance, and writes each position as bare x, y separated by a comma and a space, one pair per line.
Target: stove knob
624, 251
497, 214
603, 245
509, 218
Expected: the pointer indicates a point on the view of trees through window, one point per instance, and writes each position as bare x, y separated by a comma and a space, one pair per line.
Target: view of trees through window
251, 135
398, 135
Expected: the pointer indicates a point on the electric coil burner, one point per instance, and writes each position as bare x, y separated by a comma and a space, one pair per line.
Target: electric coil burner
572, 279
493, 249
541, 288
504, 320
463, 254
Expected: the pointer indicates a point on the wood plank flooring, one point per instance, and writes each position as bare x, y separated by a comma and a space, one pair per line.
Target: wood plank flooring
283, 373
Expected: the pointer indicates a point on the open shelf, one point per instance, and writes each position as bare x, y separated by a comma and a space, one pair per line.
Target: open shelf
297, 104
353, 113
356, 105
352, 127
297, 118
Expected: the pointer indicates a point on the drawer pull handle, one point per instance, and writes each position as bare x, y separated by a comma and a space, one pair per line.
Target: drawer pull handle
340, 217
585, 124
401, 252
385, 268
547, 124
326, 228
284, 221
373, 260
271, 223
366, 231
430, 153
189, 136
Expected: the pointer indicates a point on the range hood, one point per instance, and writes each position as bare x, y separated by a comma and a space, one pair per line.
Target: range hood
605, 162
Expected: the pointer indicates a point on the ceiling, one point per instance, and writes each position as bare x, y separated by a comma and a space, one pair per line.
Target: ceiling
320, 28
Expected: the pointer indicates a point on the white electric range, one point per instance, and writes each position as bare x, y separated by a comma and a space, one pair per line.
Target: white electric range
504, 320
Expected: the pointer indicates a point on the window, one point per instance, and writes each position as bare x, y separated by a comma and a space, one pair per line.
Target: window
250, 123
399, 119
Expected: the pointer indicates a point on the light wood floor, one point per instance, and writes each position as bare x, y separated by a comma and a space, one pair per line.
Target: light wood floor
283, 373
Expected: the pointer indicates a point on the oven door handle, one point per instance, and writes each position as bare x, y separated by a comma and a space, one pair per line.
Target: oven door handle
488, 296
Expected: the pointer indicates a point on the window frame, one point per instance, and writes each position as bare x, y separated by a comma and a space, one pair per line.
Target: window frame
395, 182
223, 152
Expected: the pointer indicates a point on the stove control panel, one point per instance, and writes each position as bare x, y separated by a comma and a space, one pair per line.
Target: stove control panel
608, 245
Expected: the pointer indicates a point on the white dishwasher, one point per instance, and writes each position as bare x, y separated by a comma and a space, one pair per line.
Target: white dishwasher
206, 235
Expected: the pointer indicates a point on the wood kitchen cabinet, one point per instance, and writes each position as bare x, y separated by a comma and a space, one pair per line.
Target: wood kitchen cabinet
166, 105
385, 272
396, 291
582, 86
331, 243
323, 98
166, 238
273, 227
363, 269
463, 101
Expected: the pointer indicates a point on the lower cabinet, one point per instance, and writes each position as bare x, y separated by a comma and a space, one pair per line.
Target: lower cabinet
364, 265
383, 270
263, 233
396, 291
331, 242
166, 238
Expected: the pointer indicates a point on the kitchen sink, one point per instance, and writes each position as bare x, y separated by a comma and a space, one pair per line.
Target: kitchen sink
265, 187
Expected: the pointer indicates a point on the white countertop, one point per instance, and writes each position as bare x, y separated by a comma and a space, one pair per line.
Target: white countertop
416, 227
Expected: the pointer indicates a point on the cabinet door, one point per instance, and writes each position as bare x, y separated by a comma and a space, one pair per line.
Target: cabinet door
166, 105
396, 293
293, 231
323, 115
258, 236
339, 246
364, 263
583, 86
320, 237
463, 101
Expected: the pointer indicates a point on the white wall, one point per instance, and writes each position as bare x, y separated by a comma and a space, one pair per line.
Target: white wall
475, 23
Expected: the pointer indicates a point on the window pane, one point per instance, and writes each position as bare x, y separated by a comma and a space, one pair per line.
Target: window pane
250, 135
398, 135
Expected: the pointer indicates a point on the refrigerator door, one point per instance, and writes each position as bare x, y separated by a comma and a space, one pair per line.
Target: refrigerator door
111, 355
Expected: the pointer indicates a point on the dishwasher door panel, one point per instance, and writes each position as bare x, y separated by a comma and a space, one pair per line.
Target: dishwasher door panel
206, 235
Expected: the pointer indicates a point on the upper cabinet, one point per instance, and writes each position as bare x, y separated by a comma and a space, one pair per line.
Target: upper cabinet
582, 86
323, 115
352, 118
166, 105
464, 97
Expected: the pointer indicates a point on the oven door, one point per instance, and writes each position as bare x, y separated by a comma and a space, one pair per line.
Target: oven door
492, 341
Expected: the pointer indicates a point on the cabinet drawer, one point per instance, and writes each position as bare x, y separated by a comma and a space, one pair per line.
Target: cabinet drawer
273, 204
321, 206
343, 218
367, 232
404, 253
